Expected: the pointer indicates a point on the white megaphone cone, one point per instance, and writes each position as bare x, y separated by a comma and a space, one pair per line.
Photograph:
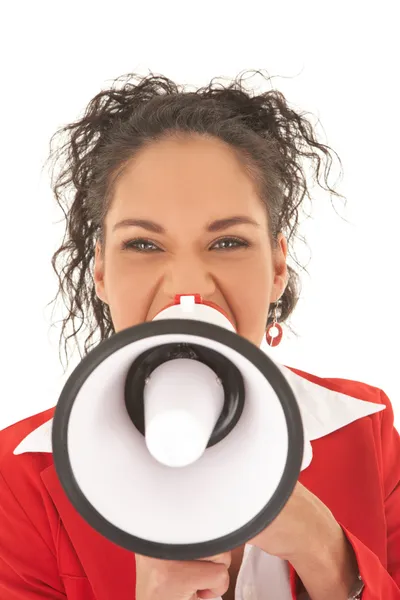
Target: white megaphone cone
178, 438
181, 412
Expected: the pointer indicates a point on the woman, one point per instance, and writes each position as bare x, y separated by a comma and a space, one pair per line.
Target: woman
178, 193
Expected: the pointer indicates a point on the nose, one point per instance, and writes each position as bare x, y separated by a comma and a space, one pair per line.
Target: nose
188, 276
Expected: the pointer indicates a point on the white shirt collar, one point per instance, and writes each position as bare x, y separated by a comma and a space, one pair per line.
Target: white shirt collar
323, 411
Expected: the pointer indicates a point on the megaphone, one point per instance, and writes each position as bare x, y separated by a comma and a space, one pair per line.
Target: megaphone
177, 438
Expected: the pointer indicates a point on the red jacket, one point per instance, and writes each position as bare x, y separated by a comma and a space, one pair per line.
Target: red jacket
48, 551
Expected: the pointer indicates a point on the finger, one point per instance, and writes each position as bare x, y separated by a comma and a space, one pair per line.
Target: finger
211, 579
206, 595
225, 558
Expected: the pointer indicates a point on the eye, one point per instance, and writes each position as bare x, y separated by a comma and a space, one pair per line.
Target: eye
140, 245
146, 246
231, 243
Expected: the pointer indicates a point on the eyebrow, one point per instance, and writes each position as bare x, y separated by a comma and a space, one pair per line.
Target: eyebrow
218, 225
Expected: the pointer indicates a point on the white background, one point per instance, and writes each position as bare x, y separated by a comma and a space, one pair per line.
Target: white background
337, 60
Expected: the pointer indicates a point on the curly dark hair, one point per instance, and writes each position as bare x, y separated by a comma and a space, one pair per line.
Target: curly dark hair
270, 138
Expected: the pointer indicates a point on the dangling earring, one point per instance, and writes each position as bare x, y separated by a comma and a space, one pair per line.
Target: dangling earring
274, 332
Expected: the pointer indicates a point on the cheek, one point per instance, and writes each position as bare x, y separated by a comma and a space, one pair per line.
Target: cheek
250, 299
128, 291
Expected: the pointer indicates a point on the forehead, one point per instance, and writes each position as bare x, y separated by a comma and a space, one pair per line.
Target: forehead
185, 177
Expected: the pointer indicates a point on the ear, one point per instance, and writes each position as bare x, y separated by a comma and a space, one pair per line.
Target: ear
279, 256
98, 273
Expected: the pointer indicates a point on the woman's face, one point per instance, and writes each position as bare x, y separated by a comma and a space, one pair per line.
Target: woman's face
185, 193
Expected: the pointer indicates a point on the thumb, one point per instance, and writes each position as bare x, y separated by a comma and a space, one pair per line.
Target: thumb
225, 558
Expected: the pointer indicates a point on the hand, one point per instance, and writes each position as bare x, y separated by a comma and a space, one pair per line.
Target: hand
303, 526
306, 534
182, 580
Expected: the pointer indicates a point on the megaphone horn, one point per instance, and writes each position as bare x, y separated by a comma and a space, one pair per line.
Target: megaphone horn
178, 438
